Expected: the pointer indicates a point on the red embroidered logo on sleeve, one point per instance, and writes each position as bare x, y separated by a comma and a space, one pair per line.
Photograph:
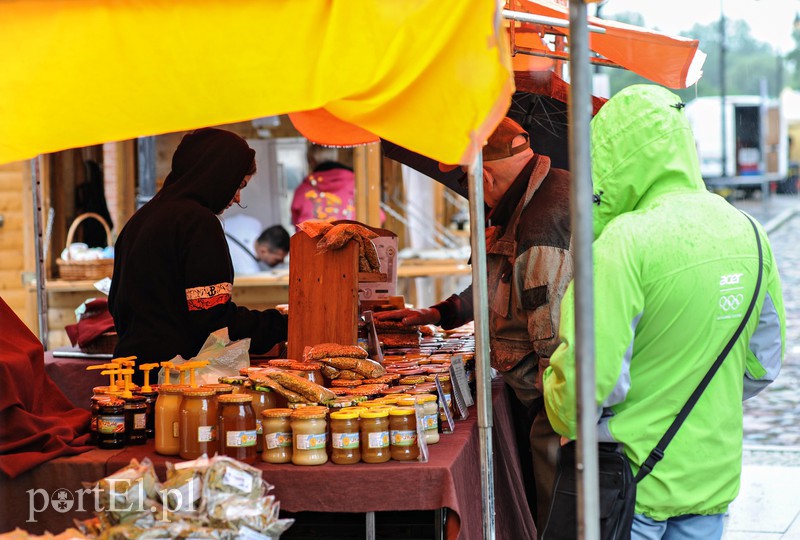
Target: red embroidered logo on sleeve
208, 296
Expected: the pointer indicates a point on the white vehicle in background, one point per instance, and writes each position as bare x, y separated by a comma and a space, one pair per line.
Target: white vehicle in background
755, 142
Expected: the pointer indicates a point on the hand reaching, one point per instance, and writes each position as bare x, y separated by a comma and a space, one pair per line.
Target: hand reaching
410, 317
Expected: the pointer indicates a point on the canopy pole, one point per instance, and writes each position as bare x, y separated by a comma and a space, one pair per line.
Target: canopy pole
41, 294
580, 111
480, 302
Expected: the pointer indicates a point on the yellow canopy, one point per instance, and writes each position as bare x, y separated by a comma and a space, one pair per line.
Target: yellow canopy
432, 76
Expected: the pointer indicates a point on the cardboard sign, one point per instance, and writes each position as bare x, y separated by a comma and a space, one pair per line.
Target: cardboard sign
386, 247
460, 382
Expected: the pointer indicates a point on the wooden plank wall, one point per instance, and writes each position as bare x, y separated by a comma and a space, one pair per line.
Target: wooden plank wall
16, 235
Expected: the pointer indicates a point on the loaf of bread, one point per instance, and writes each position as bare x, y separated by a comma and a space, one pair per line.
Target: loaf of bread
400, 340
334, 350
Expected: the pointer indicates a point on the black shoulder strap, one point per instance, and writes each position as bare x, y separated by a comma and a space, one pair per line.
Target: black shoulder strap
658, 452
235, 241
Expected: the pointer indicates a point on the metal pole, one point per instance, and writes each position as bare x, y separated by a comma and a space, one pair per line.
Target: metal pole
480, 301
723, 92
41, 294
580, 110
762, 138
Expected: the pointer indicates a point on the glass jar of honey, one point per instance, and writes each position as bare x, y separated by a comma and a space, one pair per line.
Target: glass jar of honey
219, 388
375, 435
447, 389
430, 417
403, 434
345, 439
277, 435
198, 423
167, 426
310, 434
263, 399
236, 427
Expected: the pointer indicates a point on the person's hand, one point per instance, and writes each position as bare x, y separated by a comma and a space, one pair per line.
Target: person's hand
410, 317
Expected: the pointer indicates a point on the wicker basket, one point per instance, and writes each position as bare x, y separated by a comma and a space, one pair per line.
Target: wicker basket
102, 344
77, 270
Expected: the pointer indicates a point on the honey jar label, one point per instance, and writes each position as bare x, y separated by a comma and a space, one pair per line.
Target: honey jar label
111, 424
206, 433
430, 421
404, 437
278, 439
238, 439
315, 441
139, 421
259, 427
345, 440
378, 439
176, 430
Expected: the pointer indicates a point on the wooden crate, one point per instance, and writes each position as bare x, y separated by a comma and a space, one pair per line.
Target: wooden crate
323, 295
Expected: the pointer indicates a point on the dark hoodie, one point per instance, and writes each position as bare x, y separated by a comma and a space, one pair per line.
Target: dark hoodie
173, 275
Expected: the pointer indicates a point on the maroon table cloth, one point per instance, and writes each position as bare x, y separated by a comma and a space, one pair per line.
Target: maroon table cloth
451, 479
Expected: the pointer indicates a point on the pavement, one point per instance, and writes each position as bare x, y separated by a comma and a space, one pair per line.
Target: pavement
768, 505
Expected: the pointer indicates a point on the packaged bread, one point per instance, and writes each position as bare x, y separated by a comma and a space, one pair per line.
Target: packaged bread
309, 390
332, 350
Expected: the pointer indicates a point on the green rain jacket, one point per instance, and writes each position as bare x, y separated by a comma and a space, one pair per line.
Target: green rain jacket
675, 268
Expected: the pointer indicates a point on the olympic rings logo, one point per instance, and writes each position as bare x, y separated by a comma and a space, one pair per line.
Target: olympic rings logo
731, 302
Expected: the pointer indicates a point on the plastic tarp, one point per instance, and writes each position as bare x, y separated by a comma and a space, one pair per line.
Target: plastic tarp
431, 76
672, 61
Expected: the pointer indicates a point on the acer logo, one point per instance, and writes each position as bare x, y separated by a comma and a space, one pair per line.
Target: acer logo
730, 279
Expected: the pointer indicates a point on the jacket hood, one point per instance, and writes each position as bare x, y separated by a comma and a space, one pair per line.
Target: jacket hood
642, 147
208, 166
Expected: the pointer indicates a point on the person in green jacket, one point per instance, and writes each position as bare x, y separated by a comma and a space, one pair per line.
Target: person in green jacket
675, 268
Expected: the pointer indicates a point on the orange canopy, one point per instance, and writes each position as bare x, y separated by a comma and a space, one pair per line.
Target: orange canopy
672, 61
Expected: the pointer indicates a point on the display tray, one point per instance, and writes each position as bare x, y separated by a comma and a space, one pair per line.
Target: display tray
75, 352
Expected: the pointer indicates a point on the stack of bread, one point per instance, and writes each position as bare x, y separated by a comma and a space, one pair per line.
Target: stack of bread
395, 334
294, 388
344, 361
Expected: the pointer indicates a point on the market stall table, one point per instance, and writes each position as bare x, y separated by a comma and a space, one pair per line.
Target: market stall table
451, 479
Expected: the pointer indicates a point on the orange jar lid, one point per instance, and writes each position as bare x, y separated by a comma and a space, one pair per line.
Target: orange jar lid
172, 388
309, 413
235, 398
277, 413
198, 392
219, 388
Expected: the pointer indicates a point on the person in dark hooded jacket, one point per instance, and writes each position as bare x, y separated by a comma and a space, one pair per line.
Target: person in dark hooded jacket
173, 275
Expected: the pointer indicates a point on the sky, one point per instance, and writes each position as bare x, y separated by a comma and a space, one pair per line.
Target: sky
770, 21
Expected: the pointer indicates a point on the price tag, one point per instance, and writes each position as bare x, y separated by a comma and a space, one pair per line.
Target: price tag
451, 426
459, 376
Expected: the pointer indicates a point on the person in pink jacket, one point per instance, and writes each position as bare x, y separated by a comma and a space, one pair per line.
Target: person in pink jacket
328, 192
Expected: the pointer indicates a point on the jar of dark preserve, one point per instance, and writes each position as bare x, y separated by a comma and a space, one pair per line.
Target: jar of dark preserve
111, 424
136, 419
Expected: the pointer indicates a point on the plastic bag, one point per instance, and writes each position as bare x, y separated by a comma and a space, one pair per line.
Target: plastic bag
225, 359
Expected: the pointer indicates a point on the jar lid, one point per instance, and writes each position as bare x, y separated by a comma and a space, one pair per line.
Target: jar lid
383, 407
101, 398
442, 378
375, 412
344, 415
219, 388
112, 402
407, 402
238, 381
388, 400
425, 398
235, 398
172, 388
402, 411
135, 399
281, 412
199, 392
413, 379
100, 390
309, 413
153, 392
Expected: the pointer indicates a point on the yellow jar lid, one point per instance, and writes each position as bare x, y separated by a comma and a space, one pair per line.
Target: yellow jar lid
219, 387
425, 398
389, 400
374, 412
344, 415
384, 407
407, 402
309, 413
235, 398
280, 412
198, 392
402, 411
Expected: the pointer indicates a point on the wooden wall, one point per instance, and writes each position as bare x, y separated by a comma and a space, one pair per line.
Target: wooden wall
16, 240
